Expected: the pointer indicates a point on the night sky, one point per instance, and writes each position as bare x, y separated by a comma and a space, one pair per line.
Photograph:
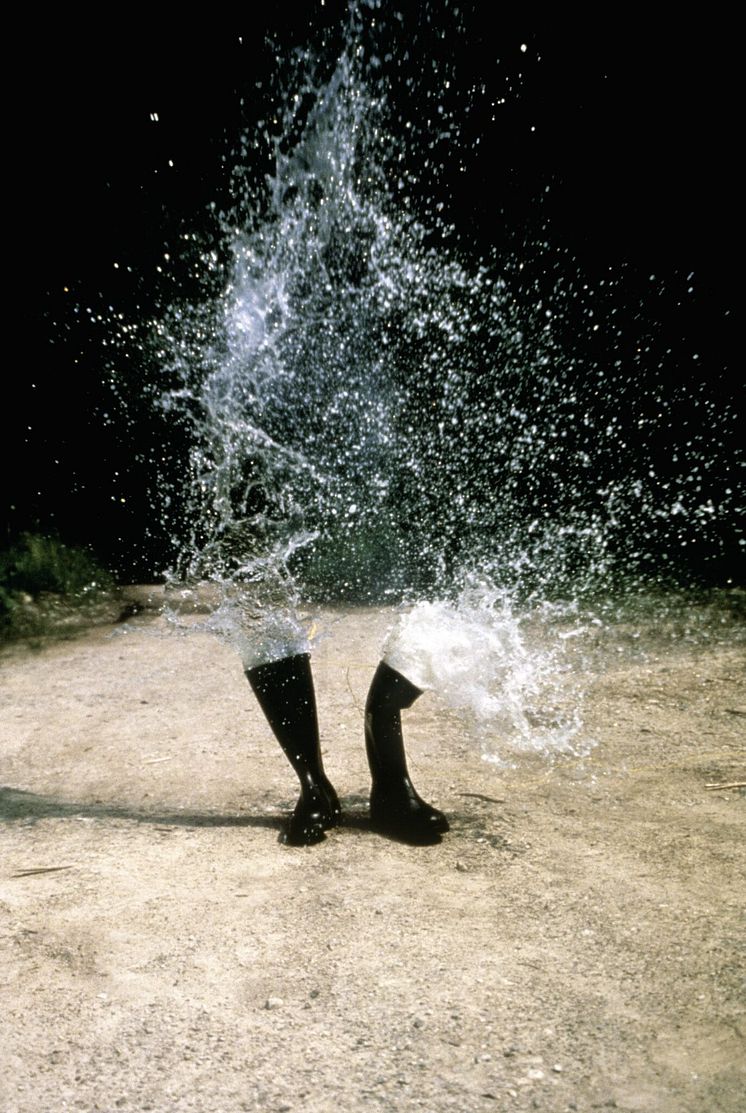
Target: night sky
618, 144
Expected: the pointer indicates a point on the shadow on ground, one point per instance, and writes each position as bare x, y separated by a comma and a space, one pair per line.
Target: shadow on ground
19, 805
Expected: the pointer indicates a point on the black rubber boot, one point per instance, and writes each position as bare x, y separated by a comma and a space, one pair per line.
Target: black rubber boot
286, 696
396, 809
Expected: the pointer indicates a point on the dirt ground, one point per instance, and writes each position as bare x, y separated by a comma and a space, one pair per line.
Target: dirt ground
575, 943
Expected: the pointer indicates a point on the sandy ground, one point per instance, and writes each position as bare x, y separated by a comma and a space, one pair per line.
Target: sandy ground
575, 943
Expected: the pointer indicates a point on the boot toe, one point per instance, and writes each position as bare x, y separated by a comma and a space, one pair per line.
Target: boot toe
305, 830
314, 814
410, 821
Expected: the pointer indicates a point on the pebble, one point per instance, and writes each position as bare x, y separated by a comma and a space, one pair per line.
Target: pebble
274, 1003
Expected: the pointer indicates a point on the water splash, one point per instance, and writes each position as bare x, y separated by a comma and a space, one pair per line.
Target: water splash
373, 416
482, 656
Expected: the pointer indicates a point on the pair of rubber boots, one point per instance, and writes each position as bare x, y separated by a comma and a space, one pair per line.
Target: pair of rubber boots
286, 695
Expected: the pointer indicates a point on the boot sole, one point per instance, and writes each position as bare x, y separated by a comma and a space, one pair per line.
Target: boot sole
406, 830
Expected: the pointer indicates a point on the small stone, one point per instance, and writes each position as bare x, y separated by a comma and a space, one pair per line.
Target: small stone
274, 1003
557, 1068
462, 867
534, 1074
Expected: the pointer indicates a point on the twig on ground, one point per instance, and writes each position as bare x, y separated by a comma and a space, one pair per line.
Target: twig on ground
728, 784
480, 796
354, 697
41, 869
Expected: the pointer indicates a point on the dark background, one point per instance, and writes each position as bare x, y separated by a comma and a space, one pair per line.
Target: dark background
635, 137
